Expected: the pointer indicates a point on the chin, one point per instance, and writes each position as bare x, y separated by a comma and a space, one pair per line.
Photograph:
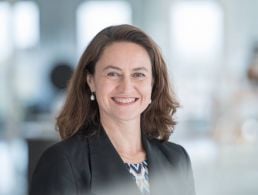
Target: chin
128, 118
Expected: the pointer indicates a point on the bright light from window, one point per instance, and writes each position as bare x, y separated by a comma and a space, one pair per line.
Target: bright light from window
14, 163
26, 24
5, 36
93, 16
6, 168
196, 28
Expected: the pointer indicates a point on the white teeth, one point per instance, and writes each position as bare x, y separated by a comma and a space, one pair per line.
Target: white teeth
124, 100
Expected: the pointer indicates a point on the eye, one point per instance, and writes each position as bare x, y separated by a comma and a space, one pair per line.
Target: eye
138, 75
113, 74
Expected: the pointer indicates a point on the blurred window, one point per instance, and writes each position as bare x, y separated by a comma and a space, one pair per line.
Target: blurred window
5, 47
93, 16
19, 26
196, 29
14, 163
197, 43
26, 24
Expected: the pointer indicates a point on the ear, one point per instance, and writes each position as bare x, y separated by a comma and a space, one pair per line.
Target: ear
91, 82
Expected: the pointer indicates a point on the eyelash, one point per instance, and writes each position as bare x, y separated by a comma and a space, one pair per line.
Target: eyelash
137, 75
113, 74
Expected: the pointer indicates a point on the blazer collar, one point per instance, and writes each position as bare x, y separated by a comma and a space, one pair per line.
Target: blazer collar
109, 173
158, 166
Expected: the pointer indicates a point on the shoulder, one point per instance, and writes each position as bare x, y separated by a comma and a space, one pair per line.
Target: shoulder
168, 147
70, 152
65, 149
61, 164
175, 153
70, 146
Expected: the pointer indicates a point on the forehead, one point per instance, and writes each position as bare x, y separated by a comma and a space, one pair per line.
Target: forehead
124, 55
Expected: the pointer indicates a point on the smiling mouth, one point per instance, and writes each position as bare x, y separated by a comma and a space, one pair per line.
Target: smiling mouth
123, 100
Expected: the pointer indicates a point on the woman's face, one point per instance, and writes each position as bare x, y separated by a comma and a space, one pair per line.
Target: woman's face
122, 81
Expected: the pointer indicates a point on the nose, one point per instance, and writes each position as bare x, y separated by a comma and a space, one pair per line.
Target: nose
126, 84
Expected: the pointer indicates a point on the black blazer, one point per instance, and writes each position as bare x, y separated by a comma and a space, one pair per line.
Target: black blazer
87, 165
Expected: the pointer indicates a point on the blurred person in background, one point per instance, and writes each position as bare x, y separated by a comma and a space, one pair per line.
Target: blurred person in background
115, 124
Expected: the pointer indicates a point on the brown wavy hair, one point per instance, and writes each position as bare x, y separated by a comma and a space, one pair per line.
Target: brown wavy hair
79, 112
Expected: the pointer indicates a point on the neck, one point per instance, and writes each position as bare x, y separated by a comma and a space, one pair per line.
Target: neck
126, 138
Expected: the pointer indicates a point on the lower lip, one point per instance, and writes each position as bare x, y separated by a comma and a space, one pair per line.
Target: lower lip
124, 104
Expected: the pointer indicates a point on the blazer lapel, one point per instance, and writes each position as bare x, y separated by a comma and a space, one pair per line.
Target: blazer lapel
161, 177
109, 173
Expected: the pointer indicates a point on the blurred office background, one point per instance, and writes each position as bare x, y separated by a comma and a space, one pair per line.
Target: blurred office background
211, 47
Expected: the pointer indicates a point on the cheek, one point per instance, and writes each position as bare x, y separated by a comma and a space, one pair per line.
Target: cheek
146, 90
104, 88
149, 92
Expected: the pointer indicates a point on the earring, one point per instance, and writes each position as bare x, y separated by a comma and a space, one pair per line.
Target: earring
92, 97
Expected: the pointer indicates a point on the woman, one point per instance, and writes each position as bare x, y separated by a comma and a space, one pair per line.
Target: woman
115, 124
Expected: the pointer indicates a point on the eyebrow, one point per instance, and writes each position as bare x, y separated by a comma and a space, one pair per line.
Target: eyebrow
140, 68
117, 68
111, 67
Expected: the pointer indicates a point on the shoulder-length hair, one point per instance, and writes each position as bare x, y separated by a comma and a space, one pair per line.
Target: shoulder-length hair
79, 112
